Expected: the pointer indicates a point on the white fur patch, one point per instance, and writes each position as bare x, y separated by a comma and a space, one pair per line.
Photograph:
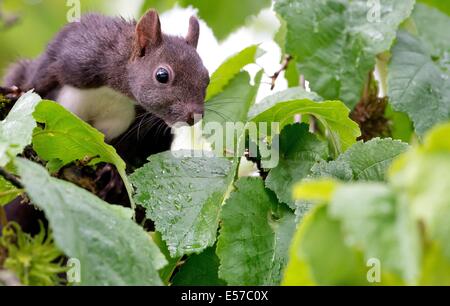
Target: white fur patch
107, 110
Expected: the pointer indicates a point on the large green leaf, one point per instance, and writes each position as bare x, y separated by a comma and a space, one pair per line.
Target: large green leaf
223, 16
230, 68
334, 115
422, 177
431, 26
402, 224
111, 248
295, 93
367, 161
200, 270
335, 42
183, 196
66, 138
383, 228
255, 235
320, 256
442, 5
17, 129
418, 85
299, 151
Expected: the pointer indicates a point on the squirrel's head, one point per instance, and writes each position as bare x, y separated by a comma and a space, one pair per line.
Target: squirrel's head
167, 76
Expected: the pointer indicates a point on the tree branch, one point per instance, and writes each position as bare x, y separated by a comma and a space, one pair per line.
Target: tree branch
284, 66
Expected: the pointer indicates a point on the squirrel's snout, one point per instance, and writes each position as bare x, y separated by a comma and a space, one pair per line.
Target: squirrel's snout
194, 113
193, 118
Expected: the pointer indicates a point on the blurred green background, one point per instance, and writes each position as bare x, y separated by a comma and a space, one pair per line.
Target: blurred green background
26, 26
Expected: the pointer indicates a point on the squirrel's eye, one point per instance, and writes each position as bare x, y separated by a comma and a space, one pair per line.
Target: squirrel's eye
162, 75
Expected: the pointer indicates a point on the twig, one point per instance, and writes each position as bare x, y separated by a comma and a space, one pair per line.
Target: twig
3, 217
11, 178
284, 66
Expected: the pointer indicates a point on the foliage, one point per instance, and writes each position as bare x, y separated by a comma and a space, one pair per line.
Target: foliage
170, 189
400, 223
223, 16
66, 138
16, 130
248, 258
335, 42
111, 248
332, 114
419, 82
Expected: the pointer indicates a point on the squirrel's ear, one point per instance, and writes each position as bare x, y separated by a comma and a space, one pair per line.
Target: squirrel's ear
148, 31
193, 32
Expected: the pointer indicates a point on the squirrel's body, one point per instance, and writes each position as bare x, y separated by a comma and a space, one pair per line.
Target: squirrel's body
102, 67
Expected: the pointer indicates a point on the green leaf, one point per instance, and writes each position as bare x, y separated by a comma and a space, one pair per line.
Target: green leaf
16, 130
230, 68
401, 126
299, 151
183, 196
339, 169
8, 192
367, 161
255, 235
295, 93
168, 270
66, 138
335, 42
320, 256
442, 5
418, 86
334, 116
320, 190
112, 250
223, 16
234, 102
230, 109
200, 270
421, 176
430, 26
382, 227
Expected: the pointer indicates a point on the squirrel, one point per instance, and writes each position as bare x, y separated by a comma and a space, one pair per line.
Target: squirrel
100, 68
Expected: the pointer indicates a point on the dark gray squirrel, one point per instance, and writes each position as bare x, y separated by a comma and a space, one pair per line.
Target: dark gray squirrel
101, 68
113, 73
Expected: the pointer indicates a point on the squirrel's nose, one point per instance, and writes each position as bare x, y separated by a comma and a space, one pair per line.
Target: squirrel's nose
190, 119
194, 116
